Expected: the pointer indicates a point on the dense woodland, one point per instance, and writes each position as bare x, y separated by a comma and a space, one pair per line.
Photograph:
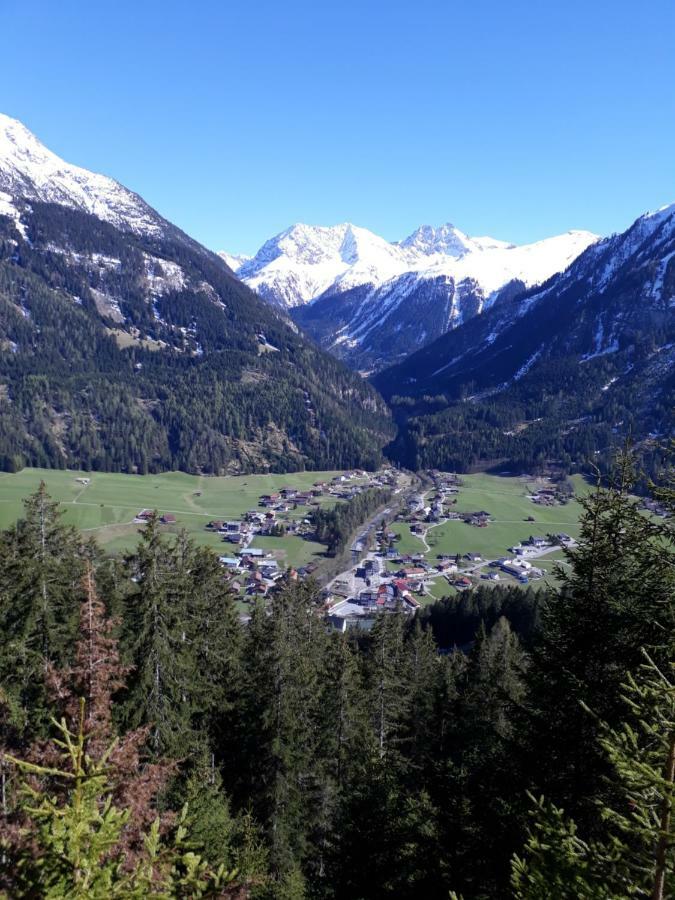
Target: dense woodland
210, 394
334, 527
512, 744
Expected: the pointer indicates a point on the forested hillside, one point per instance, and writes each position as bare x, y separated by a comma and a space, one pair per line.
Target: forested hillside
566, 372
139, 351
282, 760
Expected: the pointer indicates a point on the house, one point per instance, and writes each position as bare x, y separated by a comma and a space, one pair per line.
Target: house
144, 515
230, 562
168, 519
473, 557
252, 552
269, 499
216, 525
462, 582
538, 541
338, 623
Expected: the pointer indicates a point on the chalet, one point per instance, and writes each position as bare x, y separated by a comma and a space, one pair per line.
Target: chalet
473, 557
269, 499
462, 582
412, 572
230, 562
144, 515
168, 519
537, 541
216, 525
411, 602
447, 565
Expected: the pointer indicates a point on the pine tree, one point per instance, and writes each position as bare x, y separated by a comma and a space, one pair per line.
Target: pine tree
84, 821
42, 563
615, 598
634, 856
280, 716
156, 640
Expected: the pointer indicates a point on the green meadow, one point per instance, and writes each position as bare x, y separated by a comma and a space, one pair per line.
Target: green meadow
505, 498
106, 507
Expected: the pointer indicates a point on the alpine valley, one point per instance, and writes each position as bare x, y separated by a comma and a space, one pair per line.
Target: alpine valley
127, 346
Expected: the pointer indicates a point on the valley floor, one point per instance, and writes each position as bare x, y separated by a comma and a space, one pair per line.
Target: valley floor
107, 506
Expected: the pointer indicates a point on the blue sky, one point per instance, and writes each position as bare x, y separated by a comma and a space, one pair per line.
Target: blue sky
510, 118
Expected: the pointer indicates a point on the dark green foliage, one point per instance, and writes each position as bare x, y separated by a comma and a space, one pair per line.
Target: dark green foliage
42, 563
371, 765
209, 400
455, 620
335, 526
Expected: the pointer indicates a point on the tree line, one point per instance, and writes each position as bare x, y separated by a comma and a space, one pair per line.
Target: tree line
335, 526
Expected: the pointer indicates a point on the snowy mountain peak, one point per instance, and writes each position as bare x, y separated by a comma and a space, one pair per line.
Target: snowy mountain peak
445, 239
304, 262
234, 260
30, 170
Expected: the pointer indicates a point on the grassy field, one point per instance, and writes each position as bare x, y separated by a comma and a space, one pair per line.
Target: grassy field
505, 498
407, 543
106, 507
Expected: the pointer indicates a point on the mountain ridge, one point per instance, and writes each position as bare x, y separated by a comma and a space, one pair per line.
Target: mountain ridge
127, 346
371, 302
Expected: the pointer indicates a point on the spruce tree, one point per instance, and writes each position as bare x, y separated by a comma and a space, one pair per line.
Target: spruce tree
42, 562
634, 854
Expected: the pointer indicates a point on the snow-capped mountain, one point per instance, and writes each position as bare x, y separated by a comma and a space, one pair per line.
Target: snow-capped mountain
30, 170
307, 262
583, 361
371, 302
234, 260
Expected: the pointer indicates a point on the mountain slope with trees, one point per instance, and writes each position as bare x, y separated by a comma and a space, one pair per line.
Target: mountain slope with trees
126, 346
566, 371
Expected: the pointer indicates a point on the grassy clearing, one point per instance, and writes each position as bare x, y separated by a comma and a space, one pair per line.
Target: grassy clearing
106, 507
407, 543
505, 498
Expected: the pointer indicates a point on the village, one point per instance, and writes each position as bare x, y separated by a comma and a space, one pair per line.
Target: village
253, 572
386, 578
409, 554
